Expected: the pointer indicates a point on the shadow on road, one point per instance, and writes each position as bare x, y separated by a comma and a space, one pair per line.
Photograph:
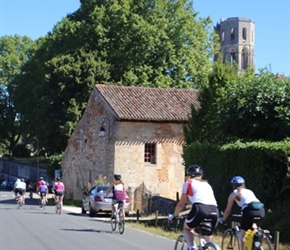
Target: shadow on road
87, 230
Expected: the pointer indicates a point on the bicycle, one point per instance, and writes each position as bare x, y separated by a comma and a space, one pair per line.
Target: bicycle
19, 200
231, 237
118, 218
43, 201
58, 205
180, 243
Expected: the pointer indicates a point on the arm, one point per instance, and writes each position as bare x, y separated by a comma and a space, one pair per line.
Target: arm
180, 205
109, 190
230, 204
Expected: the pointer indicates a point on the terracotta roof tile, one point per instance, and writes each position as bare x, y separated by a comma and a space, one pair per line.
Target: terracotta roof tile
151, 104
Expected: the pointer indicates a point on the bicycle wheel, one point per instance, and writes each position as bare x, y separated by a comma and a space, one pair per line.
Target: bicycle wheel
43, 202
266, 243
113, 222
57, 207
210, 246
180, 243
121, 223
230, 240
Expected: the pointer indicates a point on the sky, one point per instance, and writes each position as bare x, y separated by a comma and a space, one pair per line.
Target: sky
35, 18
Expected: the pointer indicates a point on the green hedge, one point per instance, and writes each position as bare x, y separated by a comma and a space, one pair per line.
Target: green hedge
265, 167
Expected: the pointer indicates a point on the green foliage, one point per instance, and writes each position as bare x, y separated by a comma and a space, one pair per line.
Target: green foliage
254, 109
139, 43
264, 165
20, 150
54, 164
100, 180
245, 107
15, 51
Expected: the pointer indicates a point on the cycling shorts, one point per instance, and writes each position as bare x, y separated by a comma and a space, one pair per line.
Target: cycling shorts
18, 190
200, 212
59, 192
115, 201
42, 194
248, 217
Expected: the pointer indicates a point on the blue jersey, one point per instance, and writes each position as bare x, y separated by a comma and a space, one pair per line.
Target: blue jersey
42, 189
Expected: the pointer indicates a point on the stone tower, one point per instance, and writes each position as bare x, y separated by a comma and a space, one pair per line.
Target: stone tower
237, 39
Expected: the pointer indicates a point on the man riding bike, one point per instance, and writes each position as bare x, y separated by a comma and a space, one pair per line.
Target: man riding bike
204, 205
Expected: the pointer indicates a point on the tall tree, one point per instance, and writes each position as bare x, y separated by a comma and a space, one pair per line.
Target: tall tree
157, 43
247, 107
15, 51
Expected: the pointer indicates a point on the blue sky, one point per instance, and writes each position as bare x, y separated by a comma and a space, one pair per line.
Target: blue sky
35, 18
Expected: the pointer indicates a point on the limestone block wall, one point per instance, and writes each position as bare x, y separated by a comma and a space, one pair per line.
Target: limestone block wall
88, 156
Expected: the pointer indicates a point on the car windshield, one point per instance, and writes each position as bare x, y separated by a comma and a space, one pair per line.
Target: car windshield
102, 189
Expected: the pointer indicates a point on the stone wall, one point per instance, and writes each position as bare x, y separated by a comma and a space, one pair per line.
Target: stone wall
89, 157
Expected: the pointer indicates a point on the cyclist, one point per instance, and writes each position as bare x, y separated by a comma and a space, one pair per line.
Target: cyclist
43, 190
119, 193
18, 188
58, 189
250, 205
39, 182
23, 190
204, 205
30, 189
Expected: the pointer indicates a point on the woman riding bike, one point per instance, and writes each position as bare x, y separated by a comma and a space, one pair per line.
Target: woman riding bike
250, 205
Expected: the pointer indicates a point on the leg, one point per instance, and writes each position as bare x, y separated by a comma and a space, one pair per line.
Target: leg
188, 235
242, 239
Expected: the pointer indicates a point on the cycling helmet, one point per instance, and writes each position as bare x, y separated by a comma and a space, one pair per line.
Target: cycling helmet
58, 179
41, 178
237, 181
22, 180
117, 177
194, 171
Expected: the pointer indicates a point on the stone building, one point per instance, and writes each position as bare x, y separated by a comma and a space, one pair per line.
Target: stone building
134, 131
237, 40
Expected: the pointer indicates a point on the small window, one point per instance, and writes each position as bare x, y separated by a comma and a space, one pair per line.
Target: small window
244, 33
232, 58
150, 153
223, 36
232, 33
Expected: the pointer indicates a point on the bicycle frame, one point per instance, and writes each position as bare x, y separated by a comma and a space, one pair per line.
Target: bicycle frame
118, 219
202, 244
234, 235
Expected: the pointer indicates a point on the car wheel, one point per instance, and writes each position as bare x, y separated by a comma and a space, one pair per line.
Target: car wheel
92, 212
83, 210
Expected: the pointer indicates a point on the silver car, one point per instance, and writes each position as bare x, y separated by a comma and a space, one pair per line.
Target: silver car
95, 202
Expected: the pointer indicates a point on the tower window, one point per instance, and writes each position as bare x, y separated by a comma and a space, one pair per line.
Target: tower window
232, 33
150, 153
223, 36
233, 58
244, 33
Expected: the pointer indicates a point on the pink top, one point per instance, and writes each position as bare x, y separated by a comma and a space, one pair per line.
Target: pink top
119, 191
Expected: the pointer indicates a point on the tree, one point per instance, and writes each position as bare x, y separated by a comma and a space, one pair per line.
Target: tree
256, 109
245, 107
203, 124
142, 43
14, 52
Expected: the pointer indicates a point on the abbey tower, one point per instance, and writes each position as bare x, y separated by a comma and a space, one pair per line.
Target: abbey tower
237, 39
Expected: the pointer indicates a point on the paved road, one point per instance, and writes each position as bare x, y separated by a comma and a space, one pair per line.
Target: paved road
32, 228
